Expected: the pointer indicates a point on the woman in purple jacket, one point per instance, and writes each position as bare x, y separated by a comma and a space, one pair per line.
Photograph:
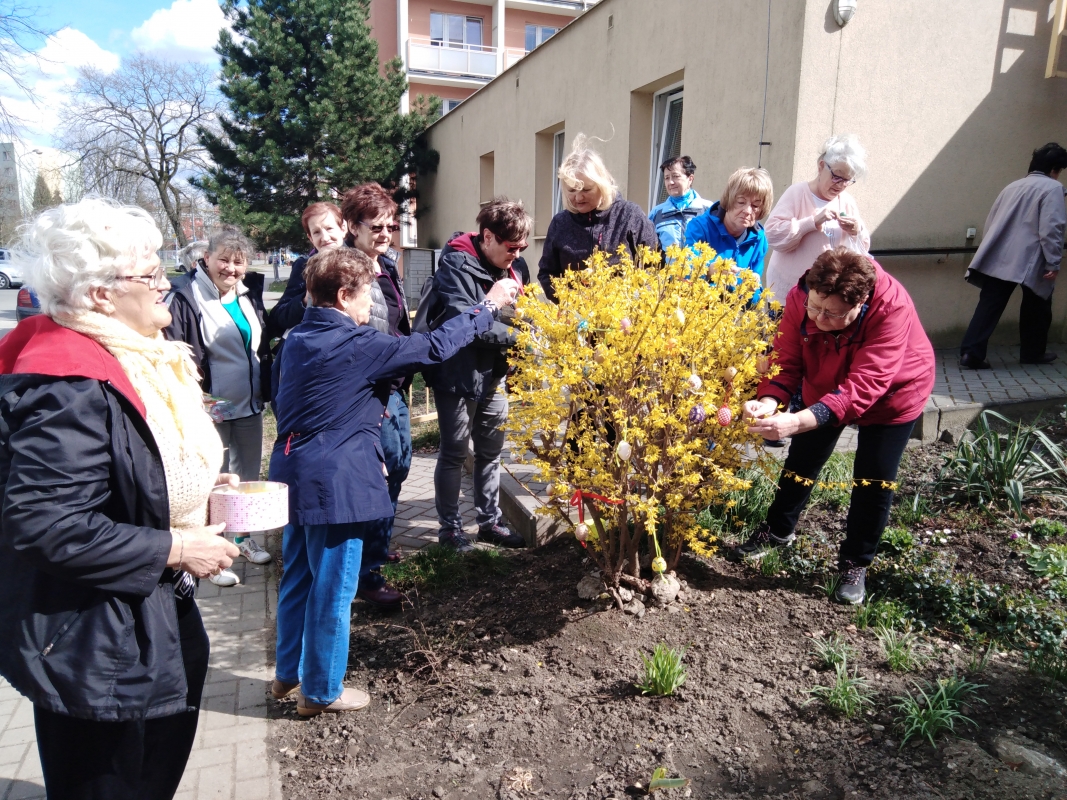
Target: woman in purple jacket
334, 383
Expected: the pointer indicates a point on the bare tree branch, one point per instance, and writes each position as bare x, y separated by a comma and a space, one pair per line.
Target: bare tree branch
18, 35
136, 128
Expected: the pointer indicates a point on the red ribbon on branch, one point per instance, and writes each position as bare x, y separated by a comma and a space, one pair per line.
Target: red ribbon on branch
579, 495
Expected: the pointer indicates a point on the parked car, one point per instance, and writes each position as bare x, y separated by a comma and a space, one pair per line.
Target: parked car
26, 304
10, 276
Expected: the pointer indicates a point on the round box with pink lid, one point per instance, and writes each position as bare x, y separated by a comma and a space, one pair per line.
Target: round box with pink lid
250, 506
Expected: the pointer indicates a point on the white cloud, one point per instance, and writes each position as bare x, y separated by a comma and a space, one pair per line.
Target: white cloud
186, 31
49, 74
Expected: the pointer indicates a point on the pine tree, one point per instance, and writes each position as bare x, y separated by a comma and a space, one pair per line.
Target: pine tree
42, 195
310, 114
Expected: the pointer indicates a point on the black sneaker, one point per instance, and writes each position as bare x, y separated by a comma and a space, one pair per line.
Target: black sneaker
761, 541
852, 586
501, 536
456, 539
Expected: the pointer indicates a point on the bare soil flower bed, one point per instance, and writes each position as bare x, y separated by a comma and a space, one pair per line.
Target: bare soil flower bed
506, 685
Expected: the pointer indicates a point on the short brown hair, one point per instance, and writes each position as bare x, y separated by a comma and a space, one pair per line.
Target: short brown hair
330, 271
366, 201
318, 210
846, 273
507, 220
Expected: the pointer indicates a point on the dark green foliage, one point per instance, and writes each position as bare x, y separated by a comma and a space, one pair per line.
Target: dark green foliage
310, 115
1042, 528
1002, 470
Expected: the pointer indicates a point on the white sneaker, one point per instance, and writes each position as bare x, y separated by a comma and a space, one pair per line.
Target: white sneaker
225, 578
253, 552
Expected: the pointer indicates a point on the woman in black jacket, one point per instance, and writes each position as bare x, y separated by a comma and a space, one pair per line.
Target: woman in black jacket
106, 461
596, 217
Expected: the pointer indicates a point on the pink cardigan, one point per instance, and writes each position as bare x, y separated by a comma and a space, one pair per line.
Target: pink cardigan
795, 242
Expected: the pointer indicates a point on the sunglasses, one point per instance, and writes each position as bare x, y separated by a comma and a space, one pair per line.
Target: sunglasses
152, 281
376, 229
517, 248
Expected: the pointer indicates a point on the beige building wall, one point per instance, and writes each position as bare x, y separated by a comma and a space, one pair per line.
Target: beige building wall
949, 98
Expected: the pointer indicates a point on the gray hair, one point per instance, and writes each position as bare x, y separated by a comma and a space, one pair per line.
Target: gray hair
69, 249
845, 149
229, 240
191, 253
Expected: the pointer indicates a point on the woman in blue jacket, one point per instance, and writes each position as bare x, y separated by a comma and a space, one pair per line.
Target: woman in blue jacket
732, 227
334, 383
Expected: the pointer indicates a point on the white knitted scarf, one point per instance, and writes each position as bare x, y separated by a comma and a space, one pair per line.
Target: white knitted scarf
165, 379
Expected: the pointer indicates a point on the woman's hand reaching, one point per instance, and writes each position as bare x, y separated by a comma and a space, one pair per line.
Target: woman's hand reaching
503, 293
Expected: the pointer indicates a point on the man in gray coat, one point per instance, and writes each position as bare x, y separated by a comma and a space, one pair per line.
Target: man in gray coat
1022, 246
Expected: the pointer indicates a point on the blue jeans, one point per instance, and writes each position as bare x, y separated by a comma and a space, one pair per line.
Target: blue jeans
396, 445
314, 605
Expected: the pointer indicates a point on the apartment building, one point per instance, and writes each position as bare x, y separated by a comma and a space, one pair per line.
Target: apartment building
949, 98
452, 49
10, 207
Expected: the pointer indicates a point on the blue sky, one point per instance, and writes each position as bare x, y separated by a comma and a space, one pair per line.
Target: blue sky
99, 33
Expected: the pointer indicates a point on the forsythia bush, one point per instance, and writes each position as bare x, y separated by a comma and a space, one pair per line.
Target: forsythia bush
627, 397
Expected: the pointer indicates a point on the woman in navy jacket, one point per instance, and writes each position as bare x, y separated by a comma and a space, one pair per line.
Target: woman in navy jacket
333, 388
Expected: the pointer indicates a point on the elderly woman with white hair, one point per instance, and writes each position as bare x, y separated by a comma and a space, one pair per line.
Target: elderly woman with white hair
107, 458
596, 217
817, 215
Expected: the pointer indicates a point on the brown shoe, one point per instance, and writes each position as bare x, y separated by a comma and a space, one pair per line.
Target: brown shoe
280, 689
350, 700
384, 597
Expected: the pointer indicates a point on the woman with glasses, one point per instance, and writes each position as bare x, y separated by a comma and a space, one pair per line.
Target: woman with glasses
817, 215
472, 403
851, 341
217, 309
108, 459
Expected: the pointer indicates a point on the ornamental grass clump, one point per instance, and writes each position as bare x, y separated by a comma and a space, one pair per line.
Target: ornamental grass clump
664, 672
934, 709
847, 695
627, 396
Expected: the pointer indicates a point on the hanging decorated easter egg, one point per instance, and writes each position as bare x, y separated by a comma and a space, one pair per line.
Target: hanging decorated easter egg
659, 565
600, 355
623, 450
729, 373
625, 324
581, 532
680, 316
725, 416
694, 382
672, 345
583, 325
697, 414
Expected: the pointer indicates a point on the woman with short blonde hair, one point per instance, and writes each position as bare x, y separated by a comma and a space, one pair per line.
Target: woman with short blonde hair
595, 217
731, 227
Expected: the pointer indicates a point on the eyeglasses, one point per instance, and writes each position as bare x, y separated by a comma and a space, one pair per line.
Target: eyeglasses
517, 248
152, 281
837, 179
376, 229
817, 312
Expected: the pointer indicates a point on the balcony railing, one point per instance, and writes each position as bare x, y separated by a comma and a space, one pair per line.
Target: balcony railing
447, 58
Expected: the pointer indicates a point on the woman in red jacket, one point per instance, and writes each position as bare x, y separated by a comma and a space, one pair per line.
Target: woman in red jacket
851, 341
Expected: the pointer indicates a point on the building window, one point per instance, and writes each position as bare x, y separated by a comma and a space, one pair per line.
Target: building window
666, 137
449, 105
538, 34
455, 30
558, 146
486, 178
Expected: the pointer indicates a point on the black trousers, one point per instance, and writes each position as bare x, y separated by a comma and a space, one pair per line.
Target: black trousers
86, 759
878, 454
1035, 318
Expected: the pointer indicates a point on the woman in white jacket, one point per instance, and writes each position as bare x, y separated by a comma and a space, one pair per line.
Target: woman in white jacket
817, 215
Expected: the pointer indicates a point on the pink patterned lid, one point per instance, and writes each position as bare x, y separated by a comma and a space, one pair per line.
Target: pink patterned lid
250, 506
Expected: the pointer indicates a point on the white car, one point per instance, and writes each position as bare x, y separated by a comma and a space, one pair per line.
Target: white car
10, 276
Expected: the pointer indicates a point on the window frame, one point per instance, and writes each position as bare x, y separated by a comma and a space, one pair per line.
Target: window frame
559, 147
539, 35
461, 44
662, 101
